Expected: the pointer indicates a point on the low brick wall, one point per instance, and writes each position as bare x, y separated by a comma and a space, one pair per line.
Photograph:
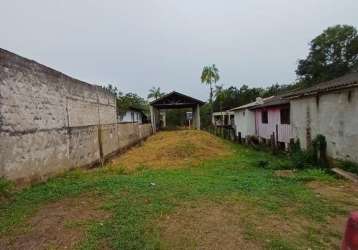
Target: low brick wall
50, 122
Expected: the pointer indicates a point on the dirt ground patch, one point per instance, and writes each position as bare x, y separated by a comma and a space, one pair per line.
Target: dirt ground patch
345, 193
206, 226
233, 225
174, 149
58, 225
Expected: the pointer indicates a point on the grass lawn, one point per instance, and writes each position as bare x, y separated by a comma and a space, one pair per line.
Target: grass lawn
224, 200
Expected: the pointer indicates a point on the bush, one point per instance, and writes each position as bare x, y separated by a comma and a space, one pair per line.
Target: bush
315, 156
263, 163
349, 166
319, 148
5, 188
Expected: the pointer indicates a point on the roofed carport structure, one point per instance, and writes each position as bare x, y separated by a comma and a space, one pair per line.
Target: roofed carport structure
175, 100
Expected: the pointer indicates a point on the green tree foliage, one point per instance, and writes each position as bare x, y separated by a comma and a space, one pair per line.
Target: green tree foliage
131, 100
332, 54
155, 93
176, 117
227, 98
124, 101
209, 76
113, 90
205, 115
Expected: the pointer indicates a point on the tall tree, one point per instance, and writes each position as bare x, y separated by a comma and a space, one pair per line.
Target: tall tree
131, 100
332, 54
155, 93
113, 90
210, 76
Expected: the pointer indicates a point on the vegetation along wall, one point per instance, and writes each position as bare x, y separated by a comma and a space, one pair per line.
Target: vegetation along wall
50, 122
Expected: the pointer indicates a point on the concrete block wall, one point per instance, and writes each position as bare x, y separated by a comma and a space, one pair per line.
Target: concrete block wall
50, 122
333, 115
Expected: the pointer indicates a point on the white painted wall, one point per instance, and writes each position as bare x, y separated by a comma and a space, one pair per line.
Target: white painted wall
333, 115
130, 116
244, 122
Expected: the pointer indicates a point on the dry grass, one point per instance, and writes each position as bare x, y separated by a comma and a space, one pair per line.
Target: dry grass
205, 225
172, 149
233, 224
61, 224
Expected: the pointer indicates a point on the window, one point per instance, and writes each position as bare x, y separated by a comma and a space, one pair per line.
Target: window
264, 116
285, 115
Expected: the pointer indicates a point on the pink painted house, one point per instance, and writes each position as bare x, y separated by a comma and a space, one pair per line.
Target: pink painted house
273, 119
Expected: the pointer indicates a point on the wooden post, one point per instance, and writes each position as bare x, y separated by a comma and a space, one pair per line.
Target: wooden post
276, 141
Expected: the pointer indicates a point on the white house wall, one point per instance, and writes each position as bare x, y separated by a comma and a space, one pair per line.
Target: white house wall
245, 123
334, 115
128, 117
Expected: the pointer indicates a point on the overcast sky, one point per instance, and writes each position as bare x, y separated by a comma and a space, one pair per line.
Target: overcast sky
139, 44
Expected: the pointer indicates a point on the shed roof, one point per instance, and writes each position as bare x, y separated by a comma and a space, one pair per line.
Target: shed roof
346, 81
176, 100
272, 102
252, 104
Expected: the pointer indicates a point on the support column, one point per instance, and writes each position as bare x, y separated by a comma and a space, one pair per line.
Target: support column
152, 119
196, 117
164, 119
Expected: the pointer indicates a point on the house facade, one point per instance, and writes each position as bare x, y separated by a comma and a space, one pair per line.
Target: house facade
272, 119
244, 118
223, 119
131, 115
330, 109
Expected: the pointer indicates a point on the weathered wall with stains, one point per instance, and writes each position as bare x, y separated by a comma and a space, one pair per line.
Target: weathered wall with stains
50, 122
334, 115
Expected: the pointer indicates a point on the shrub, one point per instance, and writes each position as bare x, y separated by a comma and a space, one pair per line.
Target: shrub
319, 148
350, 166
5, 188
314, 156
263, 163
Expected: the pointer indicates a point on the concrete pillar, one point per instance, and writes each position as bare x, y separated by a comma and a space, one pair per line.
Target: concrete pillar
164, 114
193, 109
152, 119
196, 117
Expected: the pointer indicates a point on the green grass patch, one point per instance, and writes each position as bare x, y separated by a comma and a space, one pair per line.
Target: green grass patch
136, 199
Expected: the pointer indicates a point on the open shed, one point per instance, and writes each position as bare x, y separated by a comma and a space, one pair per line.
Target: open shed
174, 100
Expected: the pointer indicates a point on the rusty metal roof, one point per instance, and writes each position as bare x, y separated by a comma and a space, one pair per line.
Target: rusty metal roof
275, 101
346, 81
252, 104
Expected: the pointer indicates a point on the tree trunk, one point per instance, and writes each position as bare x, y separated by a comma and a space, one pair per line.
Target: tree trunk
211, 100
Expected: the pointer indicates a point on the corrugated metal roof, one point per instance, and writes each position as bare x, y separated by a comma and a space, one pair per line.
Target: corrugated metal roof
276, 101
346, 81
252, 104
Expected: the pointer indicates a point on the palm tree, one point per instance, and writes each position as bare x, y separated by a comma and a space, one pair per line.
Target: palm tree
209, 76
155, 93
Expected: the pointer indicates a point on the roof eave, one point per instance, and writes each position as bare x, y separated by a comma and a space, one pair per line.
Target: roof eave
317, 92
